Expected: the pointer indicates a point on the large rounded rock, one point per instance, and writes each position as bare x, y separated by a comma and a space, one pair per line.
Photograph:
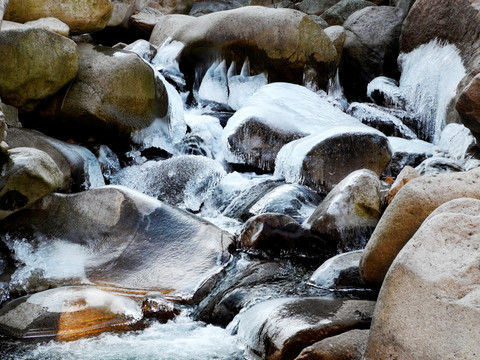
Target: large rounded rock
322, 160
282, 328
275, 115
34, 64
69, 313
117, 237
80, 168
280, 41
81, 15
28, 175
412, 204
439, 319
371, 48
349, 213
313, 7
338, 13
114, 94
349, 345
277, 234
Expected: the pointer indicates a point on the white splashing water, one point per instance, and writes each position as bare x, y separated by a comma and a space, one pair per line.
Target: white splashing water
182, 339
164, 133
430, 75
52, 260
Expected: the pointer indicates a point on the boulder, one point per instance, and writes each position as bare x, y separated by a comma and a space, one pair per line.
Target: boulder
405, 5
240, 202
349, 345
69, 313
118, 238
185, 181
457, 141
371, 48
339, 272
408, 173
294, 200
78, 165
81, 16
282, 328
246, 282
322, 160
145, 20
277, 234
27, 175
273, 116
44, 63
114, 94
440, 318
438, 165
338, 13
380, 119
407, 153
49, 23
122, 10
402, 218
315, 7
349, 213
281, 42
337, 35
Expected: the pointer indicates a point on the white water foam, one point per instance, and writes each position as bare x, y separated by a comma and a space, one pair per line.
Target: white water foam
430, 76
181, 339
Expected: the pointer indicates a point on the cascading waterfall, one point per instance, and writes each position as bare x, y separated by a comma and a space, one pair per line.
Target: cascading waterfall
430, 76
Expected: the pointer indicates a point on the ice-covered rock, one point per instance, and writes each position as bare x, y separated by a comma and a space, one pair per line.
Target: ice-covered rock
275, 115
69, 313
185, 181
117, 238
407, 152
294, 200
381, 120
281, 328
322, 160
457, 141
339, 272
439, 164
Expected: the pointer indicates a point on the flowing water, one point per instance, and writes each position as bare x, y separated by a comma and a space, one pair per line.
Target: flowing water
428, 81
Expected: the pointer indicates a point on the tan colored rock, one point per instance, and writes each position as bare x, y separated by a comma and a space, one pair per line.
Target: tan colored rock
412, 204
349, 345
27, 176
50, 24
337, 35
122, 10
145, 20
428, 307
80, 15
114, 94
280, 41
44, 63
408, 173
